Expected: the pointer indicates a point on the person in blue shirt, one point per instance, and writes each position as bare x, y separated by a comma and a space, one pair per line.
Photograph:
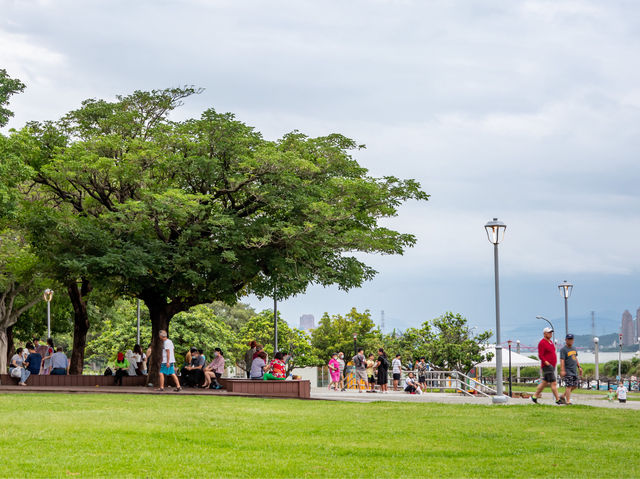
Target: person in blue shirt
33, 361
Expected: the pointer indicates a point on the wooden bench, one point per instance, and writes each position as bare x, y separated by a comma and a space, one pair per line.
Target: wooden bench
70, 381
284, 389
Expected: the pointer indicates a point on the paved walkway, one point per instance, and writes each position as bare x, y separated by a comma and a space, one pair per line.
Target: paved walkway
452, 398
324, 394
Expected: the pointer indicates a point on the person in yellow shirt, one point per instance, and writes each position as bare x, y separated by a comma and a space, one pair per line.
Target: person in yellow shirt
371, 380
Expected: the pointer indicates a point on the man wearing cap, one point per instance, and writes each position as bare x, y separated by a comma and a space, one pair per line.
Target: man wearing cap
569, 367
548, 360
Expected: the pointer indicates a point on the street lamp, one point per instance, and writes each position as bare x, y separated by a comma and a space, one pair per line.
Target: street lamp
510, 393
138, 325
355, 347
565, 290
620, 357
48, 296
518, 368
596, 342
495, 233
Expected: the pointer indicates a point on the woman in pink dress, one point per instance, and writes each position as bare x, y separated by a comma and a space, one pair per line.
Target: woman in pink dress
334, 371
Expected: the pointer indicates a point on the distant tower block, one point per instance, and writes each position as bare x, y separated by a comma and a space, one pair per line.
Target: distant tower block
627, 329
382, 320
307, 322
593, 324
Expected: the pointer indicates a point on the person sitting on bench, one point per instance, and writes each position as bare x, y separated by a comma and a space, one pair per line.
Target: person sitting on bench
214, 370
258, 364
33, 361
276, 369
121, 367
193, 374
17, 370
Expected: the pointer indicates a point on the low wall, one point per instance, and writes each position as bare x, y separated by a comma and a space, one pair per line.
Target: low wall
80, 381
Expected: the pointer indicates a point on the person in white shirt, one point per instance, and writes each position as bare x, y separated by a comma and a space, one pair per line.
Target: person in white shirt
133, 362
411, 385
622, 393
396, 364
168, 361
16, 368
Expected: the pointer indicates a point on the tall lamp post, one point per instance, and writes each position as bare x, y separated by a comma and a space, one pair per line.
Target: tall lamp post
48, 296
495, 233
510, 393
275, 322
138, 325
518, 368
619, 357
355, 345
565, 290
596, 342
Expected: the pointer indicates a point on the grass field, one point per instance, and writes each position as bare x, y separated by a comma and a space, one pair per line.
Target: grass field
74, 435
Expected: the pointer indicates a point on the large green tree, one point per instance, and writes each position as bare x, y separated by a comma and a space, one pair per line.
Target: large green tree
335, 333
183, 213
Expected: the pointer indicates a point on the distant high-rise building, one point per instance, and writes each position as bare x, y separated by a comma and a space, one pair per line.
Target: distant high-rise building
307, 322
627, 329
637, 326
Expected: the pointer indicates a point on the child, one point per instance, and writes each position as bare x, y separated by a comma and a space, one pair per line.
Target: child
622, 393
611, 394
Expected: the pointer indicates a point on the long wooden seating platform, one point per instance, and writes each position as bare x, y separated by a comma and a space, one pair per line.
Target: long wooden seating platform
245, 387
74, 381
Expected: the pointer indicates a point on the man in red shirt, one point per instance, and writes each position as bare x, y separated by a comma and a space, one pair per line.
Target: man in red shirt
548, 360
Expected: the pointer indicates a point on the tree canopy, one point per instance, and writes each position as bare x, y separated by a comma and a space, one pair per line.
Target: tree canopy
184, 213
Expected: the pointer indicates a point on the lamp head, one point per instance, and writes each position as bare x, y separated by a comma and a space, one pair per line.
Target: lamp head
565, 289
596, 340
48, 295
495, 231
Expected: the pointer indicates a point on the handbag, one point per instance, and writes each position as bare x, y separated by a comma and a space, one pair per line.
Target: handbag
16, 372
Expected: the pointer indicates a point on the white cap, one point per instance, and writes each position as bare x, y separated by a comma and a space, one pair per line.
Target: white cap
547, 330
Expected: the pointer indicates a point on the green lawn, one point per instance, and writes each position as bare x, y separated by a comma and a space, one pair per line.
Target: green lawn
76, 435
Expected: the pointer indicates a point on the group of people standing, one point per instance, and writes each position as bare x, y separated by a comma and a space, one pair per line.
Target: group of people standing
35, 359
372, 371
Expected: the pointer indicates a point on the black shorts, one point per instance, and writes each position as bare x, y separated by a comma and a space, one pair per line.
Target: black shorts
549, 374
622, 400
571, 381
396, 376
422, 379
372, 379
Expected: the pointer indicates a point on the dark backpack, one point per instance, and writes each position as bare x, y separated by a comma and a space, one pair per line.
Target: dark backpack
108, 372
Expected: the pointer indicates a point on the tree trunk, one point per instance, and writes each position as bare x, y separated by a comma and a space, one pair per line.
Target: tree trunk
80, 323
160, 313
3, 350
10, 346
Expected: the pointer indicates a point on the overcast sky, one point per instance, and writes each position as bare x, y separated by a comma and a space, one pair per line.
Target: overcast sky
524, 110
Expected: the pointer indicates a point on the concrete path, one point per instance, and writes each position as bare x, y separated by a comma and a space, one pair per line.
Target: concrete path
451, 398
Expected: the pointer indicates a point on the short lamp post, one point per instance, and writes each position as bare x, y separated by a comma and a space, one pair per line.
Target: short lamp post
565, 290
596, 342
48, 296
495, 233
510, 392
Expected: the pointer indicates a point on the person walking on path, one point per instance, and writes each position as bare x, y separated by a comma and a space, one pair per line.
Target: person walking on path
396, 364
360, 364
569, 367
334, 371
168, 361
548, 360
383, 370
